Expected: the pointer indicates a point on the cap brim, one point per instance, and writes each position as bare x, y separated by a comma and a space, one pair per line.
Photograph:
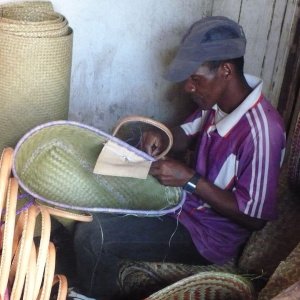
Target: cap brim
185, 63
180, 70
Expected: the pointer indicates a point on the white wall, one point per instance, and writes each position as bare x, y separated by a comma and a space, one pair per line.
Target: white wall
121, 49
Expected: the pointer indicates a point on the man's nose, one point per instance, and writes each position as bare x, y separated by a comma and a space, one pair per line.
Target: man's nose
189, 86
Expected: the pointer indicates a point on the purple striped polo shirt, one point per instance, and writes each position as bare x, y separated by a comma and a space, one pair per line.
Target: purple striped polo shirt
242, 153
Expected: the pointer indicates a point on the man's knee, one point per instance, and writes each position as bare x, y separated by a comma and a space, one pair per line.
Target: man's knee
87, 237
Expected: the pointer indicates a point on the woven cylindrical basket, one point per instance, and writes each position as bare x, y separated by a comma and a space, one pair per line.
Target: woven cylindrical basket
207, 286
35, 68
144, 278
54, 163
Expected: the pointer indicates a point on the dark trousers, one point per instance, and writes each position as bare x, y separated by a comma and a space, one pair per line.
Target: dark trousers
101, 245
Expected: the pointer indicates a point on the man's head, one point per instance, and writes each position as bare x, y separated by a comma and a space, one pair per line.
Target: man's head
211, 40
210, 58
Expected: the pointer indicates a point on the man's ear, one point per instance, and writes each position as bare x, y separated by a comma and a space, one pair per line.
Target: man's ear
226, 70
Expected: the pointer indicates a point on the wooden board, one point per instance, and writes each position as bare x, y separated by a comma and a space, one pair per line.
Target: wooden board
268, 25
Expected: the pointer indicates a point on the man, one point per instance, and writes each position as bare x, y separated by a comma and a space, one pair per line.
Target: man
231, 186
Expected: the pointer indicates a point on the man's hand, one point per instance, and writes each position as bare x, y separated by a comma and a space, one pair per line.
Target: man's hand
154, 142
171, 172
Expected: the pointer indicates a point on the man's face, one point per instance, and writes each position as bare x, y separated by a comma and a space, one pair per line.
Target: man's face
205, 87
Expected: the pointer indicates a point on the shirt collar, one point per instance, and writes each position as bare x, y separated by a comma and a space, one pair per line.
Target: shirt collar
229, 121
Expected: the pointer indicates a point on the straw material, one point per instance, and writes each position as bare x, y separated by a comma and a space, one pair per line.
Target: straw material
207, 286
31, 5
286, 274
294, 158
54, 163
35, 68
144, 278
291, 293
271, 245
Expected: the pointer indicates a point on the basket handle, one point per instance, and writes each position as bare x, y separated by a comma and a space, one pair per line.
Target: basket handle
20, 263
137, 118
8, 234
23, 238
62, 282
45, 291
58, 212
5, 171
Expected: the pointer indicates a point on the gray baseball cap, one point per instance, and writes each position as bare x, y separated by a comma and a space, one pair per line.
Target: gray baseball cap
210, 39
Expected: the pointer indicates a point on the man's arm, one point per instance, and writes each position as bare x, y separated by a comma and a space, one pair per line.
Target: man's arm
181, 140
224, 202
173, 173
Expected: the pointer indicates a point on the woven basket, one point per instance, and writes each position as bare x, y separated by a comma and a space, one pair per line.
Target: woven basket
207, 286
140, 279
35, 68
286, 274
54, 163
266, 248
291, 293
294, 158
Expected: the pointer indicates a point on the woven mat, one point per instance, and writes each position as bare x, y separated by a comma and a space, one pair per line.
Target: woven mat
35, 68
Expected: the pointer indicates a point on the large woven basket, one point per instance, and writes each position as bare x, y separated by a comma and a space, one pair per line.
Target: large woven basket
286, 274
290, 293
266, 248
54, 162
294, 157
35, 68
207, 286
140, 279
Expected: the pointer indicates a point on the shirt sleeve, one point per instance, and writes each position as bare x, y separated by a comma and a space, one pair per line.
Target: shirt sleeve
258, 168
194, 123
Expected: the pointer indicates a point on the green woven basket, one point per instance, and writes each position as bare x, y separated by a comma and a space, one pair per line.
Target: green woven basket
54, 163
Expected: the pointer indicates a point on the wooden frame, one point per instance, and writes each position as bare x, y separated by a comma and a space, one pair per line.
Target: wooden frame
289, 99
